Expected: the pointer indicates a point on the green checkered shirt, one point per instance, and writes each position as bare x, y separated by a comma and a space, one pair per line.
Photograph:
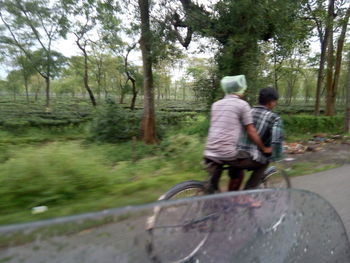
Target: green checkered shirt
269, 126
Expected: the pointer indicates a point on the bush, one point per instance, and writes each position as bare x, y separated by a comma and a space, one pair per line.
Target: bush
299, 124
114, 124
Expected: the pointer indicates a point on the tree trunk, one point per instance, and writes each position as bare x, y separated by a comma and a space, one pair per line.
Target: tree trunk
183, 93
134, 94
347, 108
14, 94
86, 80
148, 119
320, 74
330, 97
158, 94
338, 58
86, 70
26, 88
275, 77
47, 81
121, 99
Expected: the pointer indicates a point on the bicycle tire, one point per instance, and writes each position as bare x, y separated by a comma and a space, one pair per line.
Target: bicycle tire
185, 238
174, 192
282, 181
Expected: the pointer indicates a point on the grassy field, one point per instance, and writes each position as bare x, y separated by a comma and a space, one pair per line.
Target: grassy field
60, 167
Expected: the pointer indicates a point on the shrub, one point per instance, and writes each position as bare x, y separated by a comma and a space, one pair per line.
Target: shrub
298, 124
113, 124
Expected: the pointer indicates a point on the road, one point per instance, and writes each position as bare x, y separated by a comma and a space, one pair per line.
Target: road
333, 185
124, 239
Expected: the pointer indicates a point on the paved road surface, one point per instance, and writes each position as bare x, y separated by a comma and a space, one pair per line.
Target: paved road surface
334, 186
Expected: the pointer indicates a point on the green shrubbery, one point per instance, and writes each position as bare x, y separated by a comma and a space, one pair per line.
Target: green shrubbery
302, 124
113, 123
73, 177
293, 125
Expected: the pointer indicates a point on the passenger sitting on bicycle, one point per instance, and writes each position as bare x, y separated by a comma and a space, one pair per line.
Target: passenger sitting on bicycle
229, 116
269, 127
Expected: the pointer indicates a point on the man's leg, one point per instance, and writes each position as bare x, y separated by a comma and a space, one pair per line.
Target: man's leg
236, 177
256, 176
215, 171
250, 164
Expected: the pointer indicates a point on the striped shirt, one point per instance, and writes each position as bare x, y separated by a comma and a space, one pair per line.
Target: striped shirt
228, 117
269, 127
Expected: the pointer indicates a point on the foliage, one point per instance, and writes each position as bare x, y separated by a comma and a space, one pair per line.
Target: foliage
300, 124
18, 116
113, 123
293, 125
70, 178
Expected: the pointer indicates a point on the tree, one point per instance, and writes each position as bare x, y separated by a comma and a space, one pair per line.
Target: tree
111, 25
33, 23
318, 14
86, 13
347, 109
27, 70
14, 82
333, 77
148, 125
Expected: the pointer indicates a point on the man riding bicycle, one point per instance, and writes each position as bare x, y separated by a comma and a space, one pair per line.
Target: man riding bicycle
269, 127
229, 116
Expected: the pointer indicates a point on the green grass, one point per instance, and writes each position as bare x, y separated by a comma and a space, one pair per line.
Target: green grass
304, 168
75, 177
58, 168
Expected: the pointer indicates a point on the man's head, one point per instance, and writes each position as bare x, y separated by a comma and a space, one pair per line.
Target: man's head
268, 97
234, 85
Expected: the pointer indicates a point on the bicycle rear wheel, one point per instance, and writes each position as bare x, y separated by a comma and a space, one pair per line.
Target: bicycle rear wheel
177, 232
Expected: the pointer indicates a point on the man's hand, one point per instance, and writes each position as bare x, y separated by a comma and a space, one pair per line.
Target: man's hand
267, 150
254, 136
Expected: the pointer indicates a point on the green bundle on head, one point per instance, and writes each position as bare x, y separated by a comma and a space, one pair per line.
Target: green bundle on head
234, 84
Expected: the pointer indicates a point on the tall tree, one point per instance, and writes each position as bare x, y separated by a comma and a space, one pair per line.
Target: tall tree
33, 23
330, 58
338, 61
347, 109
27, 70
318, 14
148, 120
334, 62
83, 20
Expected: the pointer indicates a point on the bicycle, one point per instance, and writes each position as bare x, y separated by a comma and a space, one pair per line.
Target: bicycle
194, 221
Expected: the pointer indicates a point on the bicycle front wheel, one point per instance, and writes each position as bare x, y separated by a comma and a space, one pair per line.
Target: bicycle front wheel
177, 232
276, 181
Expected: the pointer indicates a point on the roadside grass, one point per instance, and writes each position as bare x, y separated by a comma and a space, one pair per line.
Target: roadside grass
304, 168
60, 169
75, 177
38, 135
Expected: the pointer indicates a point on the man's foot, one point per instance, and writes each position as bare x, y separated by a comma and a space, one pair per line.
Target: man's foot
245, 200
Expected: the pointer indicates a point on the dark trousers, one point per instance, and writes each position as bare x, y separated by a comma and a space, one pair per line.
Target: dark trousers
236, 167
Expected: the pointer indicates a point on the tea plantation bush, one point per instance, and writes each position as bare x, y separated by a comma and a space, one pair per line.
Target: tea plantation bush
300, 124
113, 123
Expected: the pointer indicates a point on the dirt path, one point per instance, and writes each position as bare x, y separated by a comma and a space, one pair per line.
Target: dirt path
336, 152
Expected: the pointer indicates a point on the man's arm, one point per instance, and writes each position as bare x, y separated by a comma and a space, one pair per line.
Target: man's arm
254, 136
